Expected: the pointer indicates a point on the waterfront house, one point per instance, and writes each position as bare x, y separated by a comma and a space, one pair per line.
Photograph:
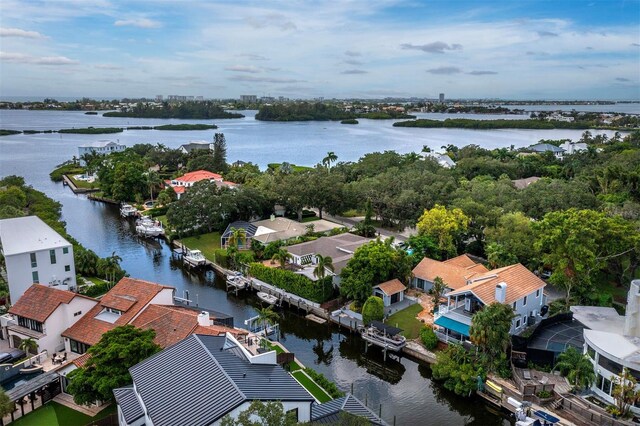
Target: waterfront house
101, 147
390, 292
203, 378
339, 247
332, 411
513, 285
144, 305
442, 159
42, 314
35, 254
541, 148
249, 232
574, 147
612, 342
192, 146
184, 182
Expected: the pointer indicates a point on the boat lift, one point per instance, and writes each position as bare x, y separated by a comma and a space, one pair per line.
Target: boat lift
255, 326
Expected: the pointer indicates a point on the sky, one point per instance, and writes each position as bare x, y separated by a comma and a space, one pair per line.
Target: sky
525, 49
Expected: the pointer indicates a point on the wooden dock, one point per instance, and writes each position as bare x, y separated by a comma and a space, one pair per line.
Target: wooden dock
67, 181
314, 318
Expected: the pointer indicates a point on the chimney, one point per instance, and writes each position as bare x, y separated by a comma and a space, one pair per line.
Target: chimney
272, 217
501, 292
203, 319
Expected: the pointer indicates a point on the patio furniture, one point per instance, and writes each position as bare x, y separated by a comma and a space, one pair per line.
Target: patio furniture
54, 359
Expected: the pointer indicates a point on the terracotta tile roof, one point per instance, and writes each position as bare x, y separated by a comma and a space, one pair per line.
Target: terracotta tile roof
520, 282
391, 287
121, 302
81, 361
179, 189
454, 276
89, 330
40, 301
198, 175
463, 261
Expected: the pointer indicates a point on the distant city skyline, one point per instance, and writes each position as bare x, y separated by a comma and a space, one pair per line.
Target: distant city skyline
357, 49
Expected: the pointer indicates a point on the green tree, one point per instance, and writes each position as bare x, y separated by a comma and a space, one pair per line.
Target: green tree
282, 256
262, 414
498, 256
624, 391
86, 261
445, 226
14, 197
238, 237
458, 370
153, 182
576, 367
373, 263
323, 264
266, 317
437, 290
428, 337
6, 405
330, 158
514, 233
111, 267
365, 227
489, 331
108, 365
29, 345
372, 310
220, 153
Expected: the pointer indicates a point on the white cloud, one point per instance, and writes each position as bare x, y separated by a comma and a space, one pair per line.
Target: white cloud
111, 67
21, 58
17, 32
243, 68
138, 22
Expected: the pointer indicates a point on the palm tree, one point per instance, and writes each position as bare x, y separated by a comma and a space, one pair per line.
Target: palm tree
28, 345
266, 316
112, 266
285, 168
153, 181
238, 237
282, 256
576, 367
330, 158
323, 264
437, 290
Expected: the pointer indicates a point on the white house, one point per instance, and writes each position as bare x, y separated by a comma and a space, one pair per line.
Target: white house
573, 147
42, 314
202, 379
443, 159
390, 292
187, 148
471, 286
612, 342
35, 254
99, 147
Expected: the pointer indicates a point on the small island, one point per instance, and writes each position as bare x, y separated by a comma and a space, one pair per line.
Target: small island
186, 127
465, 123
349, 121
305, 111
186, 110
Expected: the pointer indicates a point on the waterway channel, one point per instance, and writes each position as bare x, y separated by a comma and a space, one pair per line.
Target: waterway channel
399, 387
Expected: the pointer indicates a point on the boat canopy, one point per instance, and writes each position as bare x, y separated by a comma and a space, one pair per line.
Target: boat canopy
391, 331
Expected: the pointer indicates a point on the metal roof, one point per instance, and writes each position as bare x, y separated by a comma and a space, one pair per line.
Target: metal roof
28, 234
454, 325
200, 379
390, 330
129, 404
250, 229
329, 412
32, 385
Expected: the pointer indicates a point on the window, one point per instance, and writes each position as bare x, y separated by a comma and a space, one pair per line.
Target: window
514, 306
537, 293
518, 323
30, 324
67, 268
52, 255
524, 301
35, 278
608, 364
591, 352
75, 314
113, 311
78, 347
34, 261
65, 250
295, 413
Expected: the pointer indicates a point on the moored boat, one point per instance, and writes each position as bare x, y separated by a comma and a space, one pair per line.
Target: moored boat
127, 210
267, 298
194, 258
147, 227
383, 335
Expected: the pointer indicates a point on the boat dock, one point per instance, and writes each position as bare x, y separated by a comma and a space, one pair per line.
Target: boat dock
67, 181
314, 318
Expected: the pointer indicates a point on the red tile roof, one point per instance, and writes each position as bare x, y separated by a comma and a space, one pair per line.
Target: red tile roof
198, 175
391, 287
89, 330
40, 301
463, 261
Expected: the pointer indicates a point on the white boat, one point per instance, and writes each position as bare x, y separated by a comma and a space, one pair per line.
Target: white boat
127, 210
194, 258
147, 227
238, 281
383, 335
267, 298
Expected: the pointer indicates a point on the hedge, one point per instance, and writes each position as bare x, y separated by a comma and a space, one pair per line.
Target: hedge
327, 385
290, 282
429, 338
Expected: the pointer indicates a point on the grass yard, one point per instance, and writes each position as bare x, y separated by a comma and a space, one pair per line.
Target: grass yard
81, 183
407, 321
206, 243
310, 219
313, 388
54, 414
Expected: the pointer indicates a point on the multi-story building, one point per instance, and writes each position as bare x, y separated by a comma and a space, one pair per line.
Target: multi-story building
248, 99
441, 98
100, 147
35, 254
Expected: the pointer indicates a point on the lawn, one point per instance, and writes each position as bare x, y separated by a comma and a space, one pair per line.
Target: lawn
81, 183
54, 414
407, 321
206, 243
313, 388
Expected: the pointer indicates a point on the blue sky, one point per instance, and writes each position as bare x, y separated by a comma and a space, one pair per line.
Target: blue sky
521, 49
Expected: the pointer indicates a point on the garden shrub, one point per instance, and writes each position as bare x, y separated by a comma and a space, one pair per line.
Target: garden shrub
429, 338
318, 291
372, 310
327, 385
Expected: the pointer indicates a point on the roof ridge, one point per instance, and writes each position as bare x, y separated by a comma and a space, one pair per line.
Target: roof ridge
235, 385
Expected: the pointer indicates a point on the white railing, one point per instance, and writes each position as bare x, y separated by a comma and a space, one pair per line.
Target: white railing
447, 339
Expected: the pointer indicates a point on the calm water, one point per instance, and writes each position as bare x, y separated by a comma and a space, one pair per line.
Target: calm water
401, 386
